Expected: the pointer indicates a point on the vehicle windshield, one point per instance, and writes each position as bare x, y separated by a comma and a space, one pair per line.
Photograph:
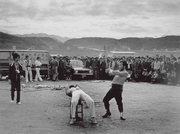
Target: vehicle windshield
76, 63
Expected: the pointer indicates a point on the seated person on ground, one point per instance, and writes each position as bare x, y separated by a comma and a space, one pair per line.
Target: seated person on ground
77, 94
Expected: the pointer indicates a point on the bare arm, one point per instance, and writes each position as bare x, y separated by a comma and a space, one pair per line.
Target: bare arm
78, 85
117, 72
67, 91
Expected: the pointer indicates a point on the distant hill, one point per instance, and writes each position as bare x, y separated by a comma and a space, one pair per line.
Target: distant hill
89, 46
96, 42
7, 41
162, 43
124, 44
58, 38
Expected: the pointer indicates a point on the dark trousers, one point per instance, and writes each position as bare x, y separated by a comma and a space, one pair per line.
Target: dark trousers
177, 79
15, 86
96, 73
61, 73
102, 74
114, 92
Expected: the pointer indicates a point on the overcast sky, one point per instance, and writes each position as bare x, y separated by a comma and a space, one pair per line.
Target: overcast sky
91, 18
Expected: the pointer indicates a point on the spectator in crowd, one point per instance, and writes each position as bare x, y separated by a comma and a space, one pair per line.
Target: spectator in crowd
145, 70
177, 69
168, 68
129, 68
69, 70
156, 65
54, 66
61, 68
38, 67
156, 70
94, 66
162, 70
50, 69
102, 68
87, 63
136, 69
28, 69
111, 63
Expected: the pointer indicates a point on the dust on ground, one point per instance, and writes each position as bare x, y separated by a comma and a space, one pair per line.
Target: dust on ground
148, 109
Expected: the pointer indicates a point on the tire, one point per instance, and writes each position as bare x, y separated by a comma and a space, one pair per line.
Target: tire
0, 76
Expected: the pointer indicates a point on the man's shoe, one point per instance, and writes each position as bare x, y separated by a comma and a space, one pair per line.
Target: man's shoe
11, 101
19, 103
122, 118
107, 115
72, 121
94, 121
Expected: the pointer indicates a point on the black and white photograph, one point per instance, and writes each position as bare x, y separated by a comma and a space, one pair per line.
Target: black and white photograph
89, 66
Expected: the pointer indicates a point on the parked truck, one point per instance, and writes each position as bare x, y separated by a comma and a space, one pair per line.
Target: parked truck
6, 59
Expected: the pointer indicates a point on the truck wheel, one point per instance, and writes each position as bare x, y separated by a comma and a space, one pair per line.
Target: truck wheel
0, 76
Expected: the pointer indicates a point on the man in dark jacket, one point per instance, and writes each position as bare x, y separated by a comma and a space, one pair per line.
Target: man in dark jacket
15, 70
102, 67
177, 70
54, 66
61, 69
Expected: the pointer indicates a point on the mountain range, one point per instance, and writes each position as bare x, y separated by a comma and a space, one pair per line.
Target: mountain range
86, 45
56, 37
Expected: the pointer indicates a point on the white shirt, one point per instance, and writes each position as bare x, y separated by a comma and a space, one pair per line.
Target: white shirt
38, 63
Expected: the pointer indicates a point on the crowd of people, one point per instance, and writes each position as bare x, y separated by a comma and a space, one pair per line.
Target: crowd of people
60, 68
157, 69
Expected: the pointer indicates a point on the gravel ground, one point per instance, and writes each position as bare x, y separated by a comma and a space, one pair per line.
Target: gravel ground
148, 108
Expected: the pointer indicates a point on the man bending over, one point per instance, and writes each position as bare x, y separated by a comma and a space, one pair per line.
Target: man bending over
77, 94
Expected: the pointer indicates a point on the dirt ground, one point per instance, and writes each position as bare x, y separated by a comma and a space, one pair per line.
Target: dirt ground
148, 109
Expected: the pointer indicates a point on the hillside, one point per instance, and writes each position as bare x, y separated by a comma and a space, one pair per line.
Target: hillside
162, 43
56, 37
89, 46
7, 41
95, 42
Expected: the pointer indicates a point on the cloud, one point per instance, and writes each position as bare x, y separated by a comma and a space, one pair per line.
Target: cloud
109, 8
98, 17
17, 9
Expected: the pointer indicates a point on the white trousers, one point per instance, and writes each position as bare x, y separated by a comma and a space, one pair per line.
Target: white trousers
81, 95
28, 71
38, 76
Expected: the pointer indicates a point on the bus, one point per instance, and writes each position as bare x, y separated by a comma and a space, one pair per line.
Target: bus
6, 59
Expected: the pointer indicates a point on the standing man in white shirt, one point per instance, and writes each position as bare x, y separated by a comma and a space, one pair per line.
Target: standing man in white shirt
28, 70
38, 67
